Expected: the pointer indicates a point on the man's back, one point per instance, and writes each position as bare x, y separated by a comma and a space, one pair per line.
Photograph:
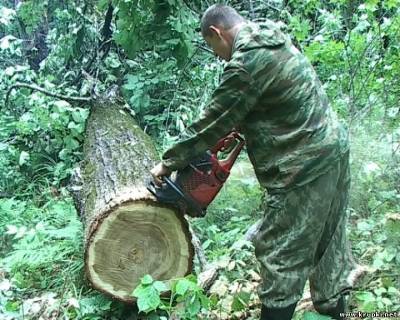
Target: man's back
292, 134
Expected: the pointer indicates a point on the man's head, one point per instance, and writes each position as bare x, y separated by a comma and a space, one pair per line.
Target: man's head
219, 26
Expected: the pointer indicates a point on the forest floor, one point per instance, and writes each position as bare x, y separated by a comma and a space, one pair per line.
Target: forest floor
41, 275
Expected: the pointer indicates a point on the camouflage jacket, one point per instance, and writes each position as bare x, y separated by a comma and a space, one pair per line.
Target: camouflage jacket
271, 91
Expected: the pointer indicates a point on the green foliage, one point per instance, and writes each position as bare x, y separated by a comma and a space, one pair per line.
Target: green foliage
39, 247
46, 143
31, 14
375, 202
155, 57
381, 298
148, 294
352, 47
40, 250
164, 26
314, 316
186, 299
93, 307
40, 137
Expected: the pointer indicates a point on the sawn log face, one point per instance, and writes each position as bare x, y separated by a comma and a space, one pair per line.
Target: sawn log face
127, 233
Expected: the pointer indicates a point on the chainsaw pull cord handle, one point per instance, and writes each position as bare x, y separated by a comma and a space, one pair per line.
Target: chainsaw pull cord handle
222, 169
224, 144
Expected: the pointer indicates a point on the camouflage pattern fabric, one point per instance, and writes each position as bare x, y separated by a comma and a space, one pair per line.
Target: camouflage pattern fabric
295, 143
271, 91
303, 237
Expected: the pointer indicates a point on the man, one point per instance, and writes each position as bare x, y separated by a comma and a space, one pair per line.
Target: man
299, 152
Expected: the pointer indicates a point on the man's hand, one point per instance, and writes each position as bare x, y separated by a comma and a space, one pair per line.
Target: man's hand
158, 172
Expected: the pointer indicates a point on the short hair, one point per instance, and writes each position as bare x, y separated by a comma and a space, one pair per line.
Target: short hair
221, 15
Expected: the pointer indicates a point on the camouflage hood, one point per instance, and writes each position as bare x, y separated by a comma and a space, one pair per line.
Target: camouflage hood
263, 35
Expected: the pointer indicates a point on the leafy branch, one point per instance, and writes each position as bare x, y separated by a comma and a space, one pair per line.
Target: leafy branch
46, 92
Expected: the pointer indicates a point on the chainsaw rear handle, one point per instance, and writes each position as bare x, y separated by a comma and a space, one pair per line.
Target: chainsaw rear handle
224, 144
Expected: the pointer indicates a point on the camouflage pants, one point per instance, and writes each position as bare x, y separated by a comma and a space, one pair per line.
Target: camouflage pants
302, 237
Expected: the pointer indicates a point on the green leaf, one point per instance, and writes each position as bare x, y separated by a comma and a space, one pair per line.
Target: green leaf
300, 28
379, 291
314, 316
139, 291
9, 71
80, 115
148, 299
6, 15
62, 104
160, 286
364, 226
63, 154
132, 82
213, 300
207, 243
78, 128
393, 290
23, 158
371, 4
145, 101
91, 305
365, 296
113, 63
71, 143
5, 42
387, 301
240, 301
147, 279
389, 4
205, 302
193, 307
182, 286
370, 306
12, 306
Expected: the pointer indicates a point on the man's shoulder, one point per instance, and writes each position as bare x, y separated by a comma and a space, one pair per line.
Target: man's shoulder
263, 34
256, 45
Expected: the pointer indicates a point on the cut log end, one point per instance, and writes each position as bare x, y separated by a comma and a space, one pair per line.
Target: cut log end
134, 239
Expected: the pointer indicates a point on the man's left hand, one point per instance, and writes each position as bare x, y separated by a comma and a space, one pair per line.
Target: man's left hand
159, 171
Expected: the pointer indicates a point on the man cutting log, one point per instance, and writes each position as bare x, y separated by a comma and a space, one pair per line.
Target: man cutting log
300, 155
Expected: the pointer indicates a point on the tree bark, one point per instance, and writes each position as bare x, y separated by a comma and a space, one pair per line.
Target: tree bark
127, 232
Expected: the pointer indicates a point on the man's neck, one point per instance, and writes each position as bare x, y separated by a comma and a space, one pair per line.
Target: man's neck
234, 31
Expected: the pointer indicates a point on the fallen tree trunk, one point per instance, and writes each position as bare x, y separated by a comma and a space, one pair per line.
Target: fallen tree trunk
127, 233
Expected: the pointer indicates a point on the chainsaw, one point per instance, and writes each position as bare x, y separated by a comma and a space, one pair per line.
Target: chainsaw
193, 188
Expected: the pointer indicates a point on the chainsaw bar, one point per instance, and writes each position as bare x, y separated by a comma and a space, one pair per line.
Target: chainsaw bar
173, 194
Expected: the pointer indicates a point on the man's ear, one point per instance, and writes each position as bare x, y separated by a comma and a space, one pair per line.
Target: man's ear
215, 31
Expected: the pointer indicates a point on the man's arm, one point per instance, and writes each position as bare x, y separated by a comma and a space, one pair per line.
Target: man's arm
231, 102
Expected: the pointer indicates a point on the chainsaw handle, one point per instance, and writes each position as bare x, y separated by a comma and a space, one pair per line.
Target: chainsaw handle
226, 142
228, 162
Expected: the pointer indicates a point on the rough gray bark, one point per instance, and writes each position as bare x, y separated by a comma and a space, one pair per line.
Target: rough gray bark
127, 233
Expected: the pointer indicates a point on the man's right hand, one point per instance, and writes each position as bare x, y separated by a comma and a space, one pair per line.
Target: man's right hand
158, 172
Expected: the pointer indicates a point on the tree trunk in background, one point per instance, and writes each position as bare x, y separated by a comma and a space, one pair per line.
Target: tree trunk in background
128, 234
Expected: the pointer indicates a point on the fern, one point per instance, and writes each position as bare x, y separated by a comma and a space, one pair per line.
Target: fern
40, 248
